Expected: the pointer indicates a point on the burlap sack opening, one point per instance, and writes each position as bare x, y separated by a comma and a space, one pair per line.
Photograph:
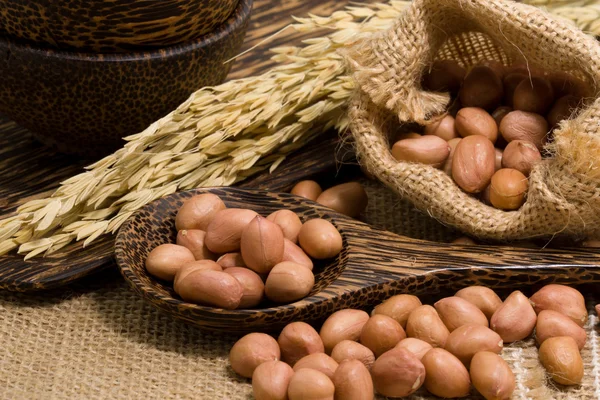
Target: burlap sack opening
564, 194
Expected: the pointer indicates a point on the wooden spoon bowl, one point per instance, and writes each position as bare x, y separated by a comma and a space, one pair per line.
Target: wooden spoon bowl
372, 266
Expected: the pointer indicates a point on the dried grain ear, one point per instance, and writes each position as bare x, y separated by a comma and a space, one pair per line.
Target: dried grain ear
564, 189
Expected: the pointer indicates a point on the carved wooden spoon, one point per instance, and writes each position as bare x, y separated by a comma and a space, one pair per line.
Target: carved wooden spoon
372, 266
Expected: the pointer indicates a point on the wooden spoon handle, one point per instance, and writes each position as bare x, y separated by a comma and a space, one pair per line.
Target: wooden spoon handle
378, 264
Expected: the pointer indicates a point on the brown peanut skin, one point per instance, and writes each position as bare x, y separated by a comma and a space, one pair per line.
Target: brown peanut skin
318, 361
473, 163
211, 288
515, 319
188, 268
563, 299
310, 384
447, 167
353, 381
270, 380
510, 82
482, 297
521, 155
252, 350
351, 350
444, 76
496, 66
342, 325
464, 240
508, 188
476, 121
445, 128
252, 284
297, 340
166, 260
289, 223
429, 149
224, 233
467, 340
456, 312
534, 95
499, 114
288, 282
521, 125
348, 198
552, 323
193, 239
481, 88
424, 323
397, 373
231, 260
381, 333
492, 377
198, 212
562, 360
565, 108
307, 189
293, 253
320, 239
262, 245
416, 346
445, 376
398, 307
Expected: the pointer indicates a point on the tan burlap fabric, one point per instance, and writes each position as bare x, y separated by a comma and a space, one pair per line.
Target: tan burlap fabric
564, 194
99, 340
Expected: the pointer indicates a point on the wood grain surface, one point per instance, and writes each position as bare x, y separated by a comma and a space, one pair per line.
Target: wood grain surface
28, 170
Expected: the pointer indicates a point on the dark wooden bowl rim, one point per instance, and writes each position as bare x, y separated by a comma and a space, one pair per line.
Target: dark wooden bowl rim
237, 18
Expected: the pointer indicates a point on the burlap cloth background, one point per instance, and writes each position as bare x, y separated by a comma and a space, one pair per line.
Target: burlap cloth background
98, 340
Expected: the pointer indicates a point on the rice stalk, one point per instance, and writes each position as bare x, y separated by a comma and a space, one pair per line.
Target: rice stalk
221, 135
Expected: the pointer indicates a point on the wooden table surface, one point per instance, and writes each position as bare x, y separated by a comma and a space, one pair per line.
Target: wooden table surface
28, 170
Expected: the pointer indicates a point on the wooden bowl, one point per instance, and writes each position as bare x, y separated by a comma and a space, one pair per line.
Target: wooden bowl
108, 26
372, 266
85, 103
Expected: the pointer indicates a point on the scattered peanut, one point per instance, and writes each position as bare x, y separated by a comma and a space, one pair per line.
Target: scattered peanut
491, 376
251, 351
397, 373
563, 299
515, 319
298, 340
456, 312
342, 325
445, 375
561, 358
348, 198
467, 340
552, 323
307, 189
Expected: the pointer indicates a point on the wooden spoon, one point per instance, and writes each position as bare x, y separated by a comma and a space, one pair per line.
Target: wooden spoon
372, 266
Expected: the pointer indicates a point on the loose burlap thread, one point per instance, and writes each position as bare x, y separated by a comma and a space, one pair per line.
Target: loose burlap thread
564, 189
99, 340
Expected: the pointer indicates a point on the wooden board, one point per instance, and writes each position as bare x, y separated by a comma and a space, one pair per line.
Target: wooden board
29, 171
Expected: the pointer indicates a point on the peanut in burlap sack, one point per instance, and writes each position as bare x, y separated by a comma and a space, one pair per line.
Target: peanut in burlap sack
564, 189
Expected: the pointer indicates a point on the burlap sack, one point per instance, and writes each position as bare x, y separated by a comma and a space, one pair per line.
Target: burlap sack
564, 194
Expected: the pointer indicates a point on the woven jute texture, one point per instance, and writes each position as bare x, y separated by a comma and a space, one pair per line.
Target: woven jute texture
564, 194
99, 340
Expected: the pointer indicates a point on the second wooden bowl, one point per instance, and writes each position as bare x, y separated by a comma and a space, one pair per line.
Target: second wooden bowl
108, 26
85, 103
372, 266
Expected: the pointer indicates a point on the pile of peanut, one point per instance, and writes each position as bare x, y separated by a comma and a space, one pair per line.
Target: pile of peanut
496, 130
234, 258
404, 345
